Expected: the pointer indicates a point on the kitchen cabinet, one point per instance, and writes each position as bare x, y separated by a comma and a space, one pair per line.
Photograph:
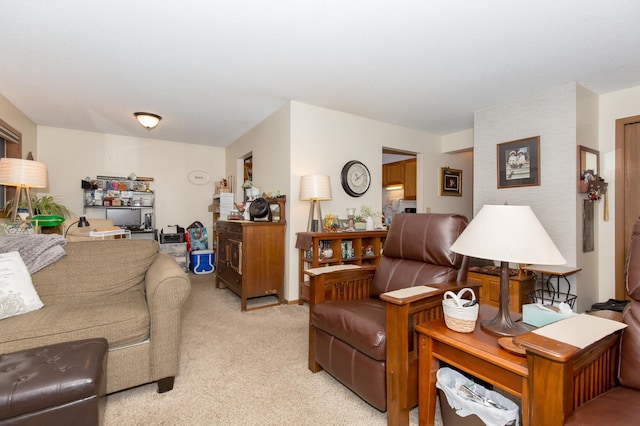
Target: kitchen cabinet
336, 248
250, 259
401, 173
410, 179
393, 173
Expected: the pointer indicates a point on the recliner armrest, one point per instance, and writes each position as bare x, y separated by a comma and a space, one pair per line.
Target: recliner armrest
340, 284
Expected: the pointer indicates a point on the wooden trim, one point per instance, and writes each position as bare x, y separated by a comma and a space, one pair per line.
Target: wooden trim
13, 150
619, 205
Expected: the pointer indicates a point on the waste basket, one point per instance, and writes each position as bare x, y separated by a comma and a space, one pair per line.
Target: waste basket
467, 403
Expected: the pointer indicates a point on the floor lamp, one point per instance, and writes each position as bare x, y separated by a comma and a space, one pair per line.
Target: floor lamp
23, 174
315, 188
507, 234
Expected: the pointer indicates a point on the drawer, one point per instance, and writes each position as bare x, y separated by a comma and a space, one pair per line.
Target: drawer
174, 249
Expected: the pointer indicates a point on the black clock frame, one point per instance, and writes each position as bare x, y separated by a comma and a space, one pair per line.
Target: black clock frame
344, 178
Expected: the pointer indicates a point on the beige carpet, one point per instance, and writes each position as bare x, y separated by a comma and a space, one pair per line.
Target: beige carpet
243, 369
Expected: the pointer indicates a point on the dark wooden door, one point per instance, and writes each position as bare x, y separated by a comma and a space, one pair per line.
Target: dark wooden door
627, 194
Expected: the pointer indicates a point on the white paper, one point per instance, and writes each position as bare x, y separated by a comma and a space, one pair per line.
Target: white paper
580, 330
326, 269
410, 291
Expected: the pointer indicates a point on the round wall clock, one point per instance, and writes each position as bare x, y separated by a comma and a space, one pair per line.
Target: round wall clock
355, 178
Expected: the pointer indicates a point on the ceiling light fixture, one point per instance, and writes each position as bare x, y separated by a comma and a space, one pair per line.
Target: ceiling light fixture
147, 120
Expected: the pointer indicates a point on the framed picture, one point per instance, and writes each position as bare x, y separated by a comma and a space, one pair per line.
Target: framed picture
519, 163
450, 182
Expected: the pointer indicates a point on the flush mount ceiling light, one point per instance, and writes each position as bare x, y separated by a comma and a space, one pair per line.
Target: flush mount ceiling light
147, 120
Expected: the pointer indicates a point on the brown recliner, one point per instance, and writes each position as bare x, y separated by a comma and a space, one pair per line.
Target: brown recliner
621, 404
365, 338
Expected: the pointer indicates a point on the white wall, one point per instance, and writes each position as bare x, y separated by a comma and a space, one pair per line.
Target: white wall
71, 155
552, 116
613, 106
16, 119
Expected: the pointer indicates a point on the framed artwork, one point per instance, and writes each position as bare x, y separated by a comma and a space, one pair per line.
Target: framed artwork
519, 163
450, 182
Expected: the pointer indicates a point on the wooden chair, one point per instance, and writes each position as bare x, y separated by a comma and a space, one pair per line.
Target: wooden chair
599, 384
364, 337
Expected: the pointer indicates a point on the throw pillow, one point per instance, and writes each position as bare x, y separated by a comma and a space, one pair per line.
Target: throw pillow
17, 294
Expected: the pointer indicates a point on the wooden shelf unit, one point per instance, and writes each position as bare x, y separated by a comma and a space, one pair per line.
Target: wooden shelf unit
366, 250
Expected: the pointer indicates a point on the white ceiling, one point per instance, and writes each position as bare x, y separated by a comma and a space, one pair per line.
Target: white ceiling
214, 69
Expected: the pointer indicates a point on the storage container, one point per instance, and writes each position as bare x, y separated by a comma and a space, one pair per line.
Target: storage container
201, 262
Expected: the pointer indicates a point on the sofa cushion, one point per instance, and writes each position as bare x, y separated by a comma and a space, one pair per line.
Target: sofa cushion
111, 267
618, 406
17, 295
122, 319
359, 322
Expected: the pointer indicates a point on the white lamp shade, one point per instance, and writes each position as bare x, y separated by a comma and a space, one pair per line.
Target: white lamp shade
315, 187
147, 120
508, 234
19, 172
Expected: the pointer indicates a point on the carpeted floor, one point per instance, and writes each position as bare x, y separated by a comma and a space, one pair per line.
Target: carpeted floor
242, 369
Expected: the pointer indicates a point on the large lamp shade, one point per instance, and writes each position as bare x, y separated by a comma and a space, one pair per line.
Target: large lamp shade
507, 234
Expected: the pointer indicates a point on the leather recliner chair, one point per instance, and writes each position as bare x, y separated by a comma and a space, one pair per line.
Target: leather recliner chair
619, 405
364, 337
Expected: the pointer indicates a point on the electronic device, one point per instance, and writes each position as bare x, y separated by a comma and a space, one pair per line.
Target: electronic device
125, 218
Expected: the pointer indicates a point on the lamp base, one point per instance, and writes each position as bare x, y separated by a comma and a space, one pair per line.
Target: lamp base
502, 324
499, 327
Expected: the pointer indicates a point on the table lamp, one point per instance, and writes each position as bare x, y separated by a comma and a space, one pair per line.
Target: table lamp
23, 174
315, 188
507, 234
82, 223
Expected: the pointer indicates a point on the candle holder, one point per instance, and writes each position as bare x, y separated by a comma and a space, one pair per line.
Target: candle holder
351, 215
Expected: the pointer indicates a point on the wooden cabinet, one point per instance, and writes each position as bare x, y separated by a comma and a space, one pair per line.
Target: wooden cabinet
519, 286
401, 173
393, 173
354, 248
410, 173
250, 258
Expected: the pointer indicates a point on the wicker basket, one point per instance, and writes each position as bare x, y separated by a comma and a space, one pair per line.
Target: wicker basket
456, 316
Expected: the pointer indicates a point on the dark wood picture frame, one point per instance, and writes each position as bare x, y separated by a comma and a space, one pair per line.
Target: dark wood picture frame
450, 182
519, 163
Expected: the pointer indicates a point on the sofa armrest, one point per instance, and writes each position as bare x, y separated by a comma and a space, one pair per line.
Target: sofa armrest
167, 286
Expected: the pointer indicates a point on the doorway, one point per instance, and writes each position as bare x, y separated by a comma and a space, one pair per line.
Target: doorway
627, 203
399, 182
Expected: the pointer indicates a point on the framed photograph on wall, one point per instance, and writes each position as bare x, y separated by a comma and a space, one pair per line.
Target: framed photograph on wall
519, 163
450, 182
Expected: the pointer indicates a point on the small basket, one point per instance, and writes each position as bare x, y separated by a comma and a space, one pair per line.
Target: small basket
456, 316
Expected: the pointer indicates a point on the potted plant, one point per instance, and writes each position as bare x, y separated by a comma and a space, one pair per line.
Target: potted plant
368, 214
44, 205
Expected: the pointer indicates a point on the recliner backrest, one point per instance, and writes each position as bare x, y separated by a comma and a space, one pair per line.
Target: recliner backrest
417, 251
629, 373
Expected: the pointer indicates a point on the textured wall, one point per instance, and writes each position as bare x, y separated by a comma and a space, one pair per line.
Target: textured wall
552, 116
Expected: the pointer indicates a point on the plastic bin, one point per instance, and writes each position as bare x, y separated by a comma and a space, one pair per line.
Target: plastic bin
201, 262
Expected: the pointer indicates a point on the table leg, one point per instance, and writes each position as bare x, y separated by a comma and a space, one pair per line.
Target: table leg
427, 381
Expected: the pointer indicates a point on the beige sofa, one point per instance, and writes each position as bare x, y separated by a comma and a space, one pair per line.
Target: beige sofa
123, 290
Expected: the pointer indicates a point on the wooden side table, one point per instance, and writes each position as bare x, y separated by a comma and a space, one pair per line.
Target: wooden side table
478, 353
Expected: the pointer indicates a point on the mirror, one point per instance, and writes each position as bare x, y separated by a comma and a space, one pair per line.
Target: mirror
588, 167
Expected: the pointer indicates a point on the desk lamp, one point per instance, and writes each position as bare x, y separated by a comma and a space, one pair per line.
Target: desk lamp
23, 174
507, 234
82, 222
315, 188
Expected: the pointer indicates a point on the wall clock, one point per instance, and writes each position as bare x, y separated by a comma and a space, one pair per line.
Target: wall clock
355, 178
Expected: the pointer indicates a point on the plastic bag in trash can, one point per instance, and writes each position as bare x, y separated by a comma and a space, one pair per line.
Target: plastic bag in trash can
483, 404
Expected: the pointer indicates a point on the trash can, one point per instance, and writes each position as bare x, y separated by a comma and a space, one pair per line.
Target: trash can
466, 403
201, 262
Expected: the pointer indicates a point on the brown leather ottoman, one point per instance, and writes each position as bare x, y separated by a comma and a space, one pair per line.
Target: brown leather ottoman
61, 384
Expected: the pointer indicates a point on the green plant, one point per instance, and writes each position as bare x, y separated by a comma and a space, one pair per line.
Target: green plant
367, 211
46, 205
